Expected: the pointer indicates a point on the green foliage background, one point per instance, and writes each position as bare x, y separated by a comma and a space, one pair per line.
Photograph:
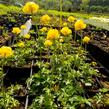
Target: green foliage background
68, 5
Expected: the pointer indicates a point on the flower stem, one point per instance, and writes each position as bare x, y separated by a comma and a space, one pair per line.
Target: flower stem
81, 38
75, 37
60, 14
85, 47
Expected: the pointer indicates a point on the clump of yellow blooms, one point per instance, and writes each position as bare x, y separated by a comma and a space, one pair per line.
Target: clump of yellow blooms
30, 8
23, 26
6, 51
66, 31
45, 19
44, 29
53, 34
20, 44
71, 19
27, 36
16, 30
79, 25
86, 39
48, 43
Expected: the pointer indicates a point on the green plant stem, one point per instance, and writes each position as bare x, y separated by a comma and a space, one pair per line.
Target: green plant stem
40, 55
35, 25
48, 55
54, 54
3, 90
37, 30
14, 39
81, 38
60, 14
75, 37
85, 47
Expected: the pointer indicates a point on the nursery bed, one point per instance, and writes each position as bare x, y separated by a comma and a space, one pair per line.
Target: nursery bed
19, 75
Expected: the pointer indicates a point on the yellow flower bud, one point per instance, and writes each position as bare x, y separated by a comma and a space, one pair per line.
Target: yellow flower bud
61, 40
27, 36
20, 44
48, 43
65, 24
86, 39
44, 29
71, 19
23, 26
93, 63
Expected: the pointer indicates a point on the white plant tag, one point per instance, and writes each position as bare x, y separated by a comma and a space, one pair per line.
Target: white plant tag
88, 84
28, 25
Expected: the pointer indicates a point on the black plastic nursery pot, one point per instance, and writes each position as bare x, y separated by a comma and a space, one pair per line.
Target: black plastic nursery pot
94, 28
22, 100
99, 54
17, 74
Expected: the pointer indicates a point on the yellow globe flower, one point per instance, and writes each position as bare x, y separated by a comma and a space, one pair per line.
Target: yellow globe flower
48, 43
20, 44
45, 19
16, 30
66, 31
86, 39
79, 25
44, 29
23, 26
6, 51
27, 36
52, 34
30, 8
71, 19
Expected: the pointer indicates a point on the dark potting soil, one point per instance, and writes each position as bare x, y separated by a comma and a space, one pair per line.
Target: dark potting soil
17, 75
